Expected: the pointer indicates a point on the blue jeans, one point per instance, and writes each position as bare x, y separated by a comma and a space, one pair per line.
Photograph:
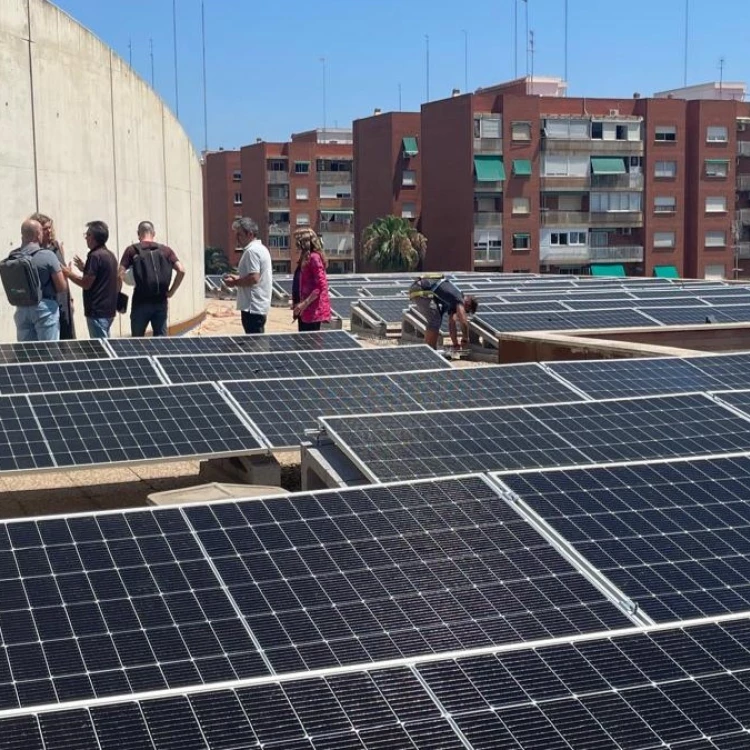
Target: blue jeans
144, 313
99, 327
38, 323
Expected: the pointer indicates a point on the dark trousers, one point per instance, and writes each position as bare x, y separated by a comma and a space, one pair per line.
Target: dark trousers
253, 323
144, 313
302, 326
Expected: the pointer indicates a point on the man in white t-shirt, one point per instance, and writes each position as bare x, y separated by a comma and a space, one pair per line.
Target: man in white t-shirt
253, 278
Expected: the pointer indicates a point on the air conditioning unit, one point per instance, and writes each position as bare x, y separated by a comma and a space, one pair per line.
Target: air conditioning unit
741, 126
614, 112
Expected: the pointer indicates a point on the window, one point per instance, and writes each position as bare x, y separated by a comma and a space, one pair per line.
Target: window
716, 134
664, 204
567, 239
597, 131
567, 128
279, 241
333, 165
520, 131
302, 194
276, 165
521, 205
409, 210
636, 163
237, 176
487, 127
663, 239
238, 199
335, 191
717, 168
716, 204
716, 238
408, 177
521, 241
303, 220
565, 165
665, 133
714, 271
301, 167
608, 202
280, 192
665, 169
485, 205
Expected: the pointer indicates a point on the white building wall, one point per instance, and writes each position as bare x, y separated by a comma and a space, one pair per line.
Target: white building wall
85, 138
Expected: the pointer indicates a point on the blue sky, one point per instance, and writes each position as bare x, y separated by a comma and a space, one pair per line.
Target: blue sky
265, 78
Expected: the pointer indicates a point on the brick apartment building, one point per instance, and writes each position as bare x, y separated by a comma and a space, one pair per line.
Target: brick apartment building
304, 182
222, 198
519, 177
387, 168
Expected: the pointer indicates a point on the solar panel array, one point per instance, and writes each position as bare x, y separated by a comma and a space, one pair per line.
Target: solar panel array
52, 351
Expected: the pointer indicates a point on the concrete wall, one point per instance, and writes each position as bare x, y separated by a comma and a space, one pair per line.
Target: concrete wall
85, 138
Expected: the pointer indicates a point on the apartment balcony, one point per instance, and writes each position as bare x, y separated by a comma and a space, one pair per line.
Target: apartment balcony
334, 178
338, 244
333, 203
564, 256
566, 184
743, 216
743, 250
617, 253
743, 148
336, 226
563, 218
493, 255
616, 218
488, 145
743, 182
628, 181
278, 229
280, 253
568, 145
277, 178
488, 187
488, 220
279, 203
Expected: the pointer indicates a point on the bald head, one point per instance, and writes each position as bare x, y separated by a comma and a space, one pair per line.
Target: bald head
31, 231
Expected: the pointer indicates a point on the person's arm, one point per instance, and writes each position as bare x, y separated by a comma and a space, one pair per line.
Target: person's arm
88, 276
58, 281
251, 278
452, 329
464, 321
320, 281
179, 275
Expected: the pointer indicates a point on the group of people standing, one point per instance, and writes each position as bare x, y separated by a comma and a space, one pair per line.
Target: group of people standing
36, 278
254, 279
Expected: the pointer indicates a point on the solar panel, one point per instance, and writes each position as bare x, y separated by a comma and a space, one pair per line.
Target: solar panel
140, 424
731, 370
658, 302
274, 342
673, 536
381, 359
22, 444
681, 316
521, 307
387, 572
100, 605
386, 291
342, 306
406, 446
617, 378
389, 310
734, 313
542, 321
51, 351
79, 375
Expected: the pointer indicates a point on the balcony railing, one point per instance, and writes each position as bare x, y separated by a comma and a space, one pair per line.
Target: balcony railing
488, 187
574, 255
488, 145
743, 250
629, 181
743, 216
279, 202
616, 218
621, 253
336, 203
588, 145
743, 148
279, 228
488, 219
339, 244
556, 184
563, 218
564, 255
488, 255
336, 226
335, 178
277, 178
279, 253
743, 182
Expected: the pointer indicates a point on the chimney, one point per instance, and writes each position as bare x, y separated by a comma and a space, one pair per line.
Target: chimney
377, 111
456, 92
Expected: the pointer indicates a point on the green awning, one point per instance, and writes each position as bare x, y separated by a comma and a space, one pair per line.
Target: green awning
717, 161
610, 269
607, 165
522, 167
489, 168
410, 146
666, 272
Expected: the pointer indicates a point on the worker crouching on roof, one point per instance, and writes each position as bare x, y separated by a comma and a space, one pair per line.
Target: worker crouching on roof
434, 296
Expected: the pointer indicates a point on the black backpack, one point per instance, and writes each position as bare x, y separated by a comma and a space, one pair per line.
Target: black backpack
20, 278
152, 272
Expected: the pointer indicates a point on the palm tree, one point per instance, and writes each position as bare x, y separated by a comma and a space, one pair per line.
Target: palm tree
392, 244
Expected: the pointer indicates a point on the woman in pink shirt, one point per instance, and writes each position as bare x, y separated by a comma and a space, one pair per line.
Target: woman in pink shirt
314, 306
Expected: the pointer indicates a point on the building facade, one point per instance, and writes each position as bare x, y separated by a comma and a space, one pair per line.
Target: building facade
520, 178
222, 201
388, 172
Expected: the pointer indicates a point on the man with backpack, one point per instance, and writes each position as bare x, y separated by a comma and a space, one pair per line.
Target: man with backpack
32, 278
152, 265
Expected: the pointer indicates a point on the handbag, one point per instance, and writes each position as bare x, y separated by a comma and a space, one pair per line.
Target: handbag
122, 302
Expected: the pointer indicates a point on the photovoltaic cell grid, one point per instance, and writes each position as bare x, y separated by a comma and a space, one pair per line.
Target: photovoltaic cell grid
386, 309
675, 537
22, 445
77, 375
161, 422
94, 606
389, 572
731, 370
688, 689
385, 359
51, 351
402, 446
276, 342
559, 321
683, 316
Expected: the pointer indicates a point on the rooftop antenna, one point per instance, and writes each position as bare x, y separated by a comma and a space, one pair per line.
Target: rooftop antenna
566, 43
325, 103
205, 84
721, 78
466, 59
531, 55
176, 84
151, 53
427, 64
399, 97
130, 52
687, 33
526, 6
515, 38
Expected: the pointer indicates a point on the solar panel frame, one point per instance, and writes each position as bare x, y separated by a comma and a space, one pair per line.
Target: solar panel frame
52, 351
731, 370
23, 444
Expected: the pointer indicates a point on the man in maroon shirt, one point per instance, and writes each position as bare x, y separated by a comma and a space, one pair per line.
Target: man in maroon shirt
152, 265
